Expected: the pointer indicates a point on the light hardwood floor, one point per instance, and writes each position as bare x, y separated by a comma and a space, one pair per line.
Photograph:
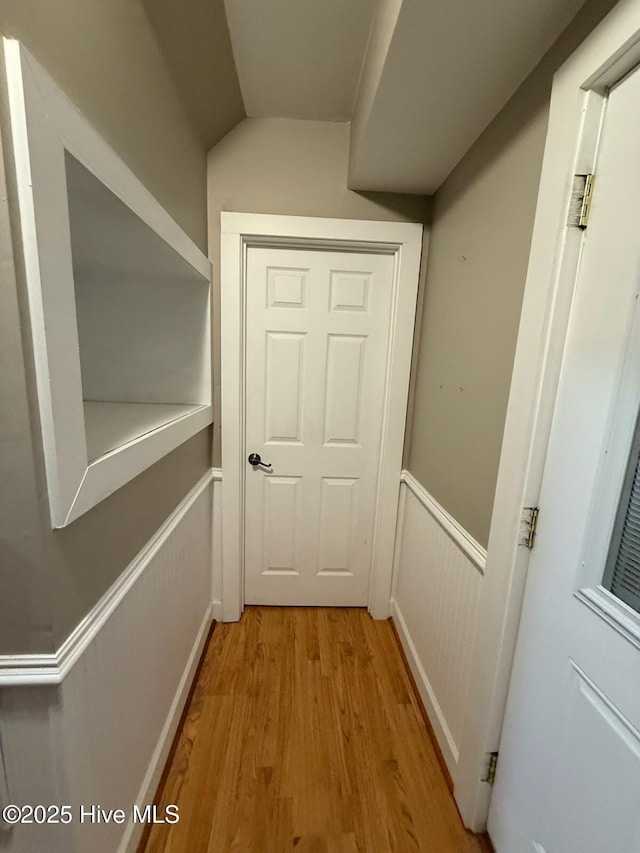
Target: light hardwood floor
303, 734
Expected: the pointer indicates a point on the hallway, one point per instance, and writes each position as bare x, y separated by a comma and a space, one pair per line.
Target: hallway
303, 733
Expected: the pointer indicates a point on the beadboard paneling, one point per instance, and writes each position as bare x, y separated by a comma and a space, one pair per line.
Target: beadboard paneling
437, 578
103, 734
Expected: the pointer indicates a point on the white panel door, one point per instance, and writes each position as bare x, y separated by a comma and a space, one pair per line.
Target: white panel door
568, 778
317, 349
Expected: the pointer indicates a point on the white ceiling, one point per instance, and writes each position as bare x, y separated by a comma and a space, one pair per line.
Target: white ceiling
299, 58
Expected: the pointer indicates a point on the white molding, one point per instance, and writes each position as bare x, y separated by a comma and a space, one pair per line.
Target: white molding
283, 229
400, 522
464, 540
216, 551
404, 241
52, 668
232, 423
133, 831
427, 694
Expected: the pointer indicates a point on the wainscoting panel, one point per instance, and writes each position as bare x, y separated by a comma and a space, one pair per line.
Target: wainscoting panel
106, 729
437, 579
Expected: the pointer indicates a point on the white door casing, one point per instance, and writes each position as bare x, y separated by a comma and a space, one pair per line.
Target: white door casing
390, 246
569, 768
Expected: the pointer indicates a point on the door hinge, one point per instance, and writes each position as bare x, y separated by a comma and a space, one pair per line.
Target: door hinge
529, 524
581, 195
491, 763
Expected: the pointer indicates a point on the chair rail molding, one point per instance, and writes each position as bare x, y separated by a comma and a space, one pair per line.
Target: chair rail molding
40, 669
463, 539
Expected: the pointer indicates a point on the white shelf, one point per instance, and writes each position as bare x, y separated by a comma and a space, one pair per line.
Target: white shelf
109, 426
119, 301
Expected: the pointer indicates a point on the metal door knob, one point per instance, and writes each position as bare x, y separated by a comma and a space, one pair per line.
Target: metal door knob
255, 460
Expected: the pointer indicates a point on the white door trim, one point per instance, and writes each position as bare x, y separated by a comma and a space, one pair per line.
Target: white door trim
239, 231
579, 86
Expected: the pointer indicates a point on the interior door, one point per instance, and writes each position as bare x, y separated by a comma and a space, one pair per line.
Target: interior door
568, 775
316, 362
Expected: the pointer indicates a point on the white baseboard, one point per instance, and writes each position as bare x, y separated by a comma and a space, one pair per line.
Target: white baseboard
148, 789
427, 694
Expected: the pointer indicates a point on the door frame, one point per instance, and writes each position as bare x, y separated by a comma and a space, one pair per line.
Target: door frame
576, 111
239, 233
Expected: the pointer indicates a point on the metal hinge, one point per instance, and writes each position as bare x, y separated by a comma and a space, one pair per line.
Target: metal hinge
581, 195
491, 763
529, 524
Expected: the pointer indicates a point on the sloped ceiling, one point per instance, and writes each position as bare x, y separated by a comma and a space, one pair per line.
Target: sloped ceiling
299, 58
419, 79
194, 38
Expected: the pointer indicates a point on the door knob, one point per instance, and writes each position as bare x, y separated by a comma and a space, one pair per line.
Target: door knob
255, 460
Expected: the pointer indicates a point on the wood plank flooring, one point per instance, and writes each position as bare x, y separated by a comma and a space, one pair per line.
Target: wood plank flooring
303, 734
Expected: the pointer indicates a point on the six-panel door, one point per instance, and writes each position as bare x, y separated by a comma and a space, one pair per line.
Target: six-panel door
317, 350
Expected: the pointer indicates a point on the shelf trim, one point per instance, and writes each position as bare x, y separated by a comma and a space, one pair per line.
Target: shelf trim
105, 474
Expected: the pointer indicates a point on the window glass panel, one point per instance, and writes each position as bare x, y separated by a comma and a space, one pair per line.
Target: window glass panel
622, 573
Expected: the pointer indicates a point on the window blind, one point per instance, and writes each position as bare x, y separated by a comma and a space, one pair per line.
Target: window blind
622, 574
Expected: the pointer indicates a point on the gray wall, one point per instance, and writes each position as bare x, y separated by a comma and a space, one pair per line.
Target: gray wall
296, 168
104, 55
194, 38
480, 239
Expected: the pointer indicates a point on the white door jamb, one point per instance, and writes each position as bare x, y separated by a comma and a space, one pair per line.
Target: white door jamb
239, 231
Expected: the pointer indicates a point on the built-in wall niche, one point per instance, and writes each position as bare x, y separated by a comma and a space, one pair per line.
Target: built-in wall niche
141, 311
119, 302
